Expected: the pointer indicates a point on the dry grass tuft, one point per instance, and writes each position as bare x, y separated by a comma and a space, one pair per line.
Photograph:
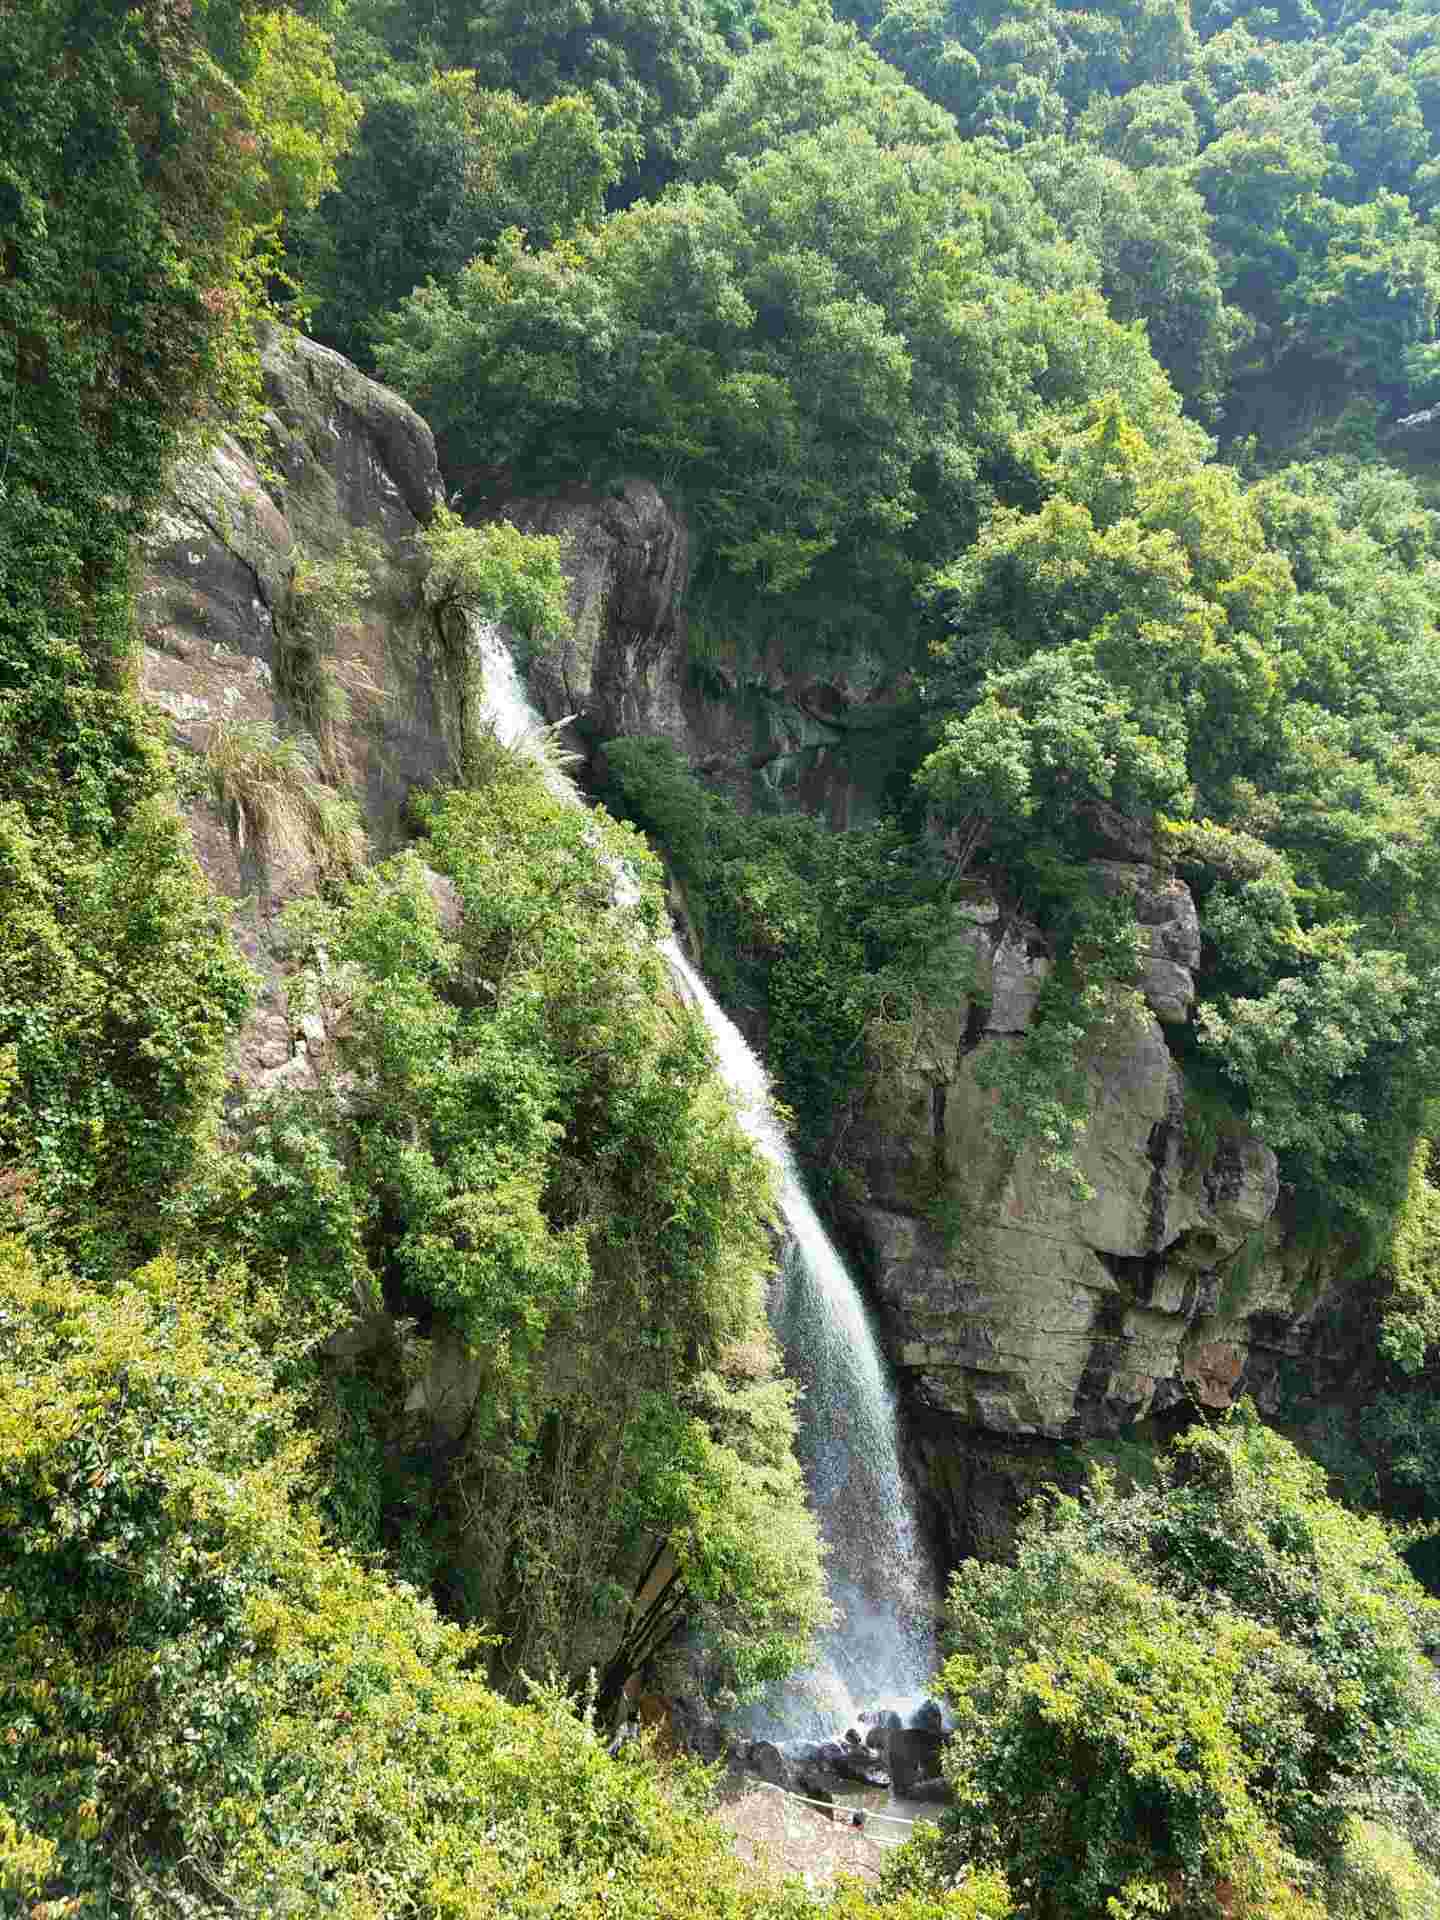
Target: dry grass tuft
268, 789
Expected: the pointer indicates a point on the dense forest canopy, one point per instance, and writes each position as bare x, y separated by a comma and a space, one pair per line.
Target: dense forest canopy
931, 319
1042, 372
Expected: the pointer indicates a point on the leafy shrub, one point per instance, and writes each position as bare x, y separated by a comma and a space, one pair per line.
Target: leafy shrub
148, 155
1173, 1700
438, 170
647, 781
1378, 1877
118, 986
500, 573
324, 596
210, 1711
1411, 1324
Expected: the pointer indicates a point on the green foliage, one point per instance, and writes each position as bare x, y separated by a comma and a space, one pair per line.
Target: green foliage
809, 72
439, 169
535, 1160
147, 157
1134, 643
26, 1863
1241, 1271
1016, 73
499, 573
1379, 1877
126, 1622
324, 598
489, 572
1150, 233
646, 781
1400, 1432
915, 1885
1411, 1323
646, 65
1040, 1087
118, 984
833, 940
817, 353
1173, 1699
303, 118
210, 1710
1054, 726
1281, 169
901, 351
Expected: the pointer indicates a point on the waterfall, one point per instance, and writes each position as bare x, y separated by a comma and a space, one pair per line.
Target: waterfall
880, 1653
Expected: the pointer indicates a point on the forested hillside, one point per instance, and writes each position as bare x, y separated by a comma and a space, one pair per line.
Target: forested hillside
1025, 422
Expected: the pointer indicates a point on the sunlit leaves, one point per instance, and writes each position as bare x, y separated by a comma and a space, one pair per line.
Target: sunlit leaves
1169, 1701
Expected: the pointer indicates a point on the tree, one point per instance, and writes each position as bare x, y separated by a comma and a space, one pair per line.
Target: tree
1021, 71
1040, 748
1150, 233
647, 66
1241, 713
809, 73
1172, 1700
1367, 295
812, 353
439, 169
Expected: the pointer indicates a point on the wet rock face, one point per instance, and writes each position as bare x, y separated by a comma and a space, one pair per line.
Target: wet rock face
1025, 1305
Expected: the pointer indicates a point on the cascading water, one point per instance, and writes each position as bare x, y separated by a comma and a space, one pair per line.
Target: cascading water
880, 1652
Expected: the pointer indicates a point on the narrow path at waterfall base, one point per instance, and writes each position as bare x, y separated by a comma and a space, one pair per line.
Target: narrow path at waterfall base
777, 1835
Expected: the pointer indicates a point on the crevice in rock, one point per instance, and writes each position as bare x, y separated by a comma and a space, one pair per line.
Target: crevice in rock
1225, 1175
1096, 1411
1136, 1274
222, 536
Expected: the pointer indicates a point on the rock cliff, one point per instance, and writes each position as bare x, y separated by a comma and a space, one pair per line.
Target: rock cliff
768, 732
347, 471
1024, 1306
1021, 1309
347, 467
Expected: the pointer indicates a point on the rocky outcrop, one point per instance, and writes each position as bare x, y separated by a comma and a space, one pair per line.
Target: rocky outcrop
767, 732
1169, 929
1022, 1308
622, 671
347, 472
1026, 1304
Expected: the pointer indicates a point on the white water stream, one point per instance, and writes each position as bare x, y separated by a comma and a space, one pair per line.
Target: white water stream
880, 1653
